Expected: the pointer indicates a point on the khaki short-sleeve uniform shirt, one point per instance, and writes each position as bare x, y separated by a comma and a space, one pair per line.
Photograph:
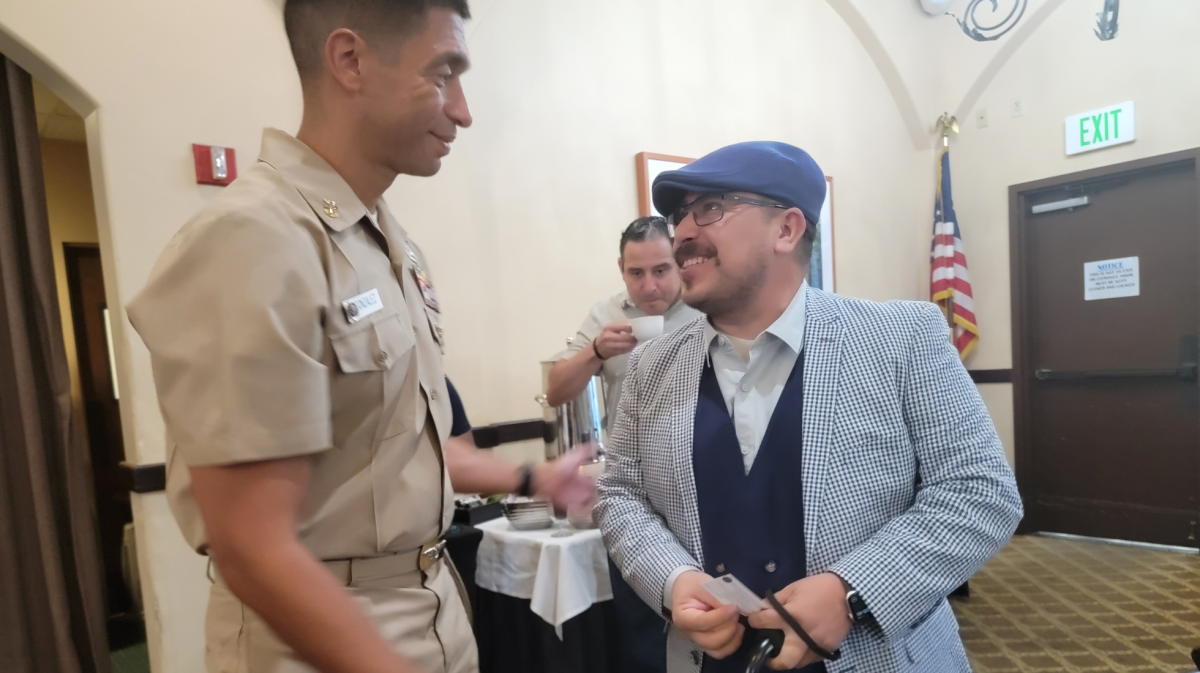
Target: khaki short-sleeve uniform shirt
257, 354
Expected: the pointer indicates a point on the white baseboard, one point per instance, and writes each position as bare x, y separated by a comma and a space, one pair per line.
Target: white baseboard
1121, 543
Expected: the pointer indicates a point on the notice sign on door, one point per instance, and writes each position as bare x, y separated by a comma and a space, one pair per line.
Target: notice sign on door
1111, 278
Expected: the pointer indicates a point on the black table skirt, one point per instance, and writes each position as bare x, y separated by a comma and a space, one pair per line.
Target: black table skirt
514, 640
462, 544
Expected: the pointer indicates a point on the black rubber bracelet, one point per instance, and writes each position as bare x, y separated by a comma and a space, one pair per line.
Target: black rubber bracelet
525, 488
795, 626
597, 350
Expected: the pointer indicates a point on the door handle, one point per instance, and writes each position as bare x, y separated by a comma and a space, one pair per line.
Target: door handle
1187, 371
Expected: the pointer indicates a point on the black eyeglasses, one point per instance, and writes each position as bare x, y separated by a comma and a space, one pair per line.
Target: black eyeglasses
711, 208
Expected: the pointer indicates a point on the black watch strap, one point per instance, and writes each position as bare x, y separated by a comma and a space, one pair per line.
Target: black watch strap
525, 487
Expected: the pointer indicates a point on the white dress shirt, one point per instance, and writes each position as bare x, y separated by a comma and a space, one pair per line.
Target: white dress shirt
752, 388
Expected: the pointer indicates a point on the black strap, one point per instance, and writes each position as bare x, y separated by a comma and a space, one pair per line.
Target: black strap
525, 487
795, 626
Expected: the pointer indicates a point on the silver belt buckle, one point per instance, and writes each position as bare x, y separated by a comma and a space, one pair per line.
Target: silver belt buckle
432, 554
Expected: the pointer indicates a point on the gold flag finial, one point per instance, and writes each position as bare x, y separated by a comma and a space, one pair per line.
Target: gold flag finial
945, 124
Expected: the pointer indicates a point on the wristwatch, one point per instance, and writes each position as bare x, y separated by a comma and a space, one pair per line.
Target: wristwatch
855, 605
859, 612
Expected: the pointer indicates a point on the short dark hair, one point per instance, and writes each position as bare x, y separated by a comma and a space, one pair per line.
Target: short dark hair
309, 22
644, 229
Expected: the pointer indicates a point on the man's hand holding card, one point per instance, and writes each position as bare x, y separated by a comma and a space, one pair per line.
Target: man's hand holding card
703, 619
816, 603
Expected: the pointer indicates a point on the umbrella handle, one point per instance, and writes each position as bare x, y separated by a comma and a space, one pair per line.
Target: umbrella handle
768, 648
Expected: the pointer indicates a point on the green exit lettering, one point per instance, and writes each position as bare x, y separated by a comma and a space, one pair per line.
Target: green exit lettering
1096, 129
1105, 127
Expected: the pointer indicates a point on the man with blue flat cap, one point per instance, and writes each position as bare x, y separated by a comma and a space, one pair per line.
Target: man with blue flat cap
831, 454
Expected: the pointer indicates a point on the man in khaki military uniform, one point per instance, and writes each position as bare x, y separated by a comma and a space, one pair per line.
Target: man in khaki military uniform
296, 344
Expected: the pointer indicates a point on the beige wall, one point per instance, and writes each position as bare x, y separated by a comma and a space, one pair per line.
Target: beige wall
1064, 70
72, 216
523, 222
521, 225
151, 78
1060, 71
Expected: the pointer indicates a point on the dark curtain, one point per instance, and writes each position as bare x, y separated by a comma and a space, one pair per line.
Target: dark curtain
51, 579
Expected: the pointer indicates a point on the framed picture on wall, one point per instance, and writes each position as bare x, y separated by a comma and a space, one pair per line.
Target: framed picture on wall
649, 165
821, 275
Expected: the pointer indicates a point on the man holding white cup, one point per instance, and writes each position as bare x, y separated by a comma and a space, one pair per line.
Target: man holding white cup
651, 305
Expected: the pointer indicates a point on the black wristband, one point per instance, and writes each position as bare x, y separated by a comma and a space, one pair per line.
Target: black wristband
795, 626
597, 350
525, 487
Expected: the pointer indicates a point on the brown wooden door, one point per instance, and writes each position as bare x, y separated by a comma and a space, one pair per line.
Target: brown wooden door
85, 283
1108, 407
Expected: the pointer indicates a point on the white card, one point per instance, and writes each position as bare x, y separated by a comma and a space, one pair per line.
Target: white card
363, 305
729, 591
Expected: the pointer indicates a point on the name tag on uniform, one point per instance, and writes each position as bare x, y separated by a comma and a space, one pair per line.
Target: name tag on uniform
363, 305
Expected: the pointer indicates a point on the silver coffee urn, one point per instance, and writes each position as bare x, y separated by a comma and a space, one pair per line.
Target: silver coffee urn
579, 421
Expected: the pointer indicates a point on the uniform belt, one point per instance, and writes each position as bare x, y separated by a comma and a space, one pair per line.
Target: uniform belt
418, 559
345, 570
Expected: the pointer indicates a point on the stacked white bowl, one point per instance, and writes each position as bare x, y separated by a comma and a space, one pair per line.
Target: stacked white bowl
534, 515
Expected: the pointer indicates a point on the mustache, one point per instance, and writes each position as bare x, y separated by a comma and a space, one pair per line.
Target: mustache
690, 249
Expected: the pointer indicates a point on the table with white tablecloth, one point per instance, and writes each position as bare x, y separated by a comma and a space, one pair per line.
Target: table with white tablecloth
560, 576
545, 600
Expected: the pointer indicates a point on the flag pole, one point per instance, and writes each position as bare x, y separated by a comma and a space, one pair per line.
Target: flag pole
946, 123
950, 315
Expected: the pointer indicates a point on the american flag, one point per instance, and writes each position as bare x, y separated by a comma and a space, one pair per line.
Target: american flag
950, 284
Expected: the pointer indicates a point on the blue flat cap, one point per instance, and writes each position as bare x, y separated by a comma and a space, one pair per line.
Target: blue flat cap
778, 171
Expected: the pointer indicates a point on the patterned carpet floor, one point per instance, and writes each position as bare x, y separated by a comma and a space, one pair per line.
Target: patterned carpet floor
1045, 605
134, 659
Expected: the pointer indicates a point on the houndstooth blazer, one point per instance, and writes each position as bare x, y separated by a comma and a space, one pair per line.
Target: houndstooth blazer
907, 491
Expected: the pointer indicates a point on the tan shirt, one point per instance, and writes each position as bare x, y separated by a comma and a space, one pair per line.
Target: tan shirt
619, 308
256, 357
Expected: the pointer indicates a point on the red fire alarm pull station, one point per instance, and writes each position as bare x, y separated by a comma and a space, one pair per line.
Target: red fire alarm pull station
215, 165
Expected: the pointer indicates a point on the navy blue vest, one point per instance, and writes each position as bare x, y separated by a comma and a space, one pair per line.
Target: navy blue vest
751, 525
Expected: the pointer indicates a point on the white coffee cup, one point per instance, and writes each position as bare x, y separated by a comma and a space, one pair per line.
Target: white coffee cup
646, 328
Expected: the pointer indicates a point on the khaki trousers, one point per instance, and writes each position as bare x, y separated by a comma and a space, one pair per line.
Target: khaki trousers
419, 612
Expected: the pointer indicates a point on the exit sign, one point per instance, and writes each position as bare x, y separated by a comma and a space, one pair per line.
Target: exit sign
1101, 128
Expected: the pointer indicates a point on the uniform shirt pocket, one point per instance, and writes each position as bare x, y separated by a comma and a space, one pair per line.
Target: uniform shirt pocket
372, 363
374, 347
